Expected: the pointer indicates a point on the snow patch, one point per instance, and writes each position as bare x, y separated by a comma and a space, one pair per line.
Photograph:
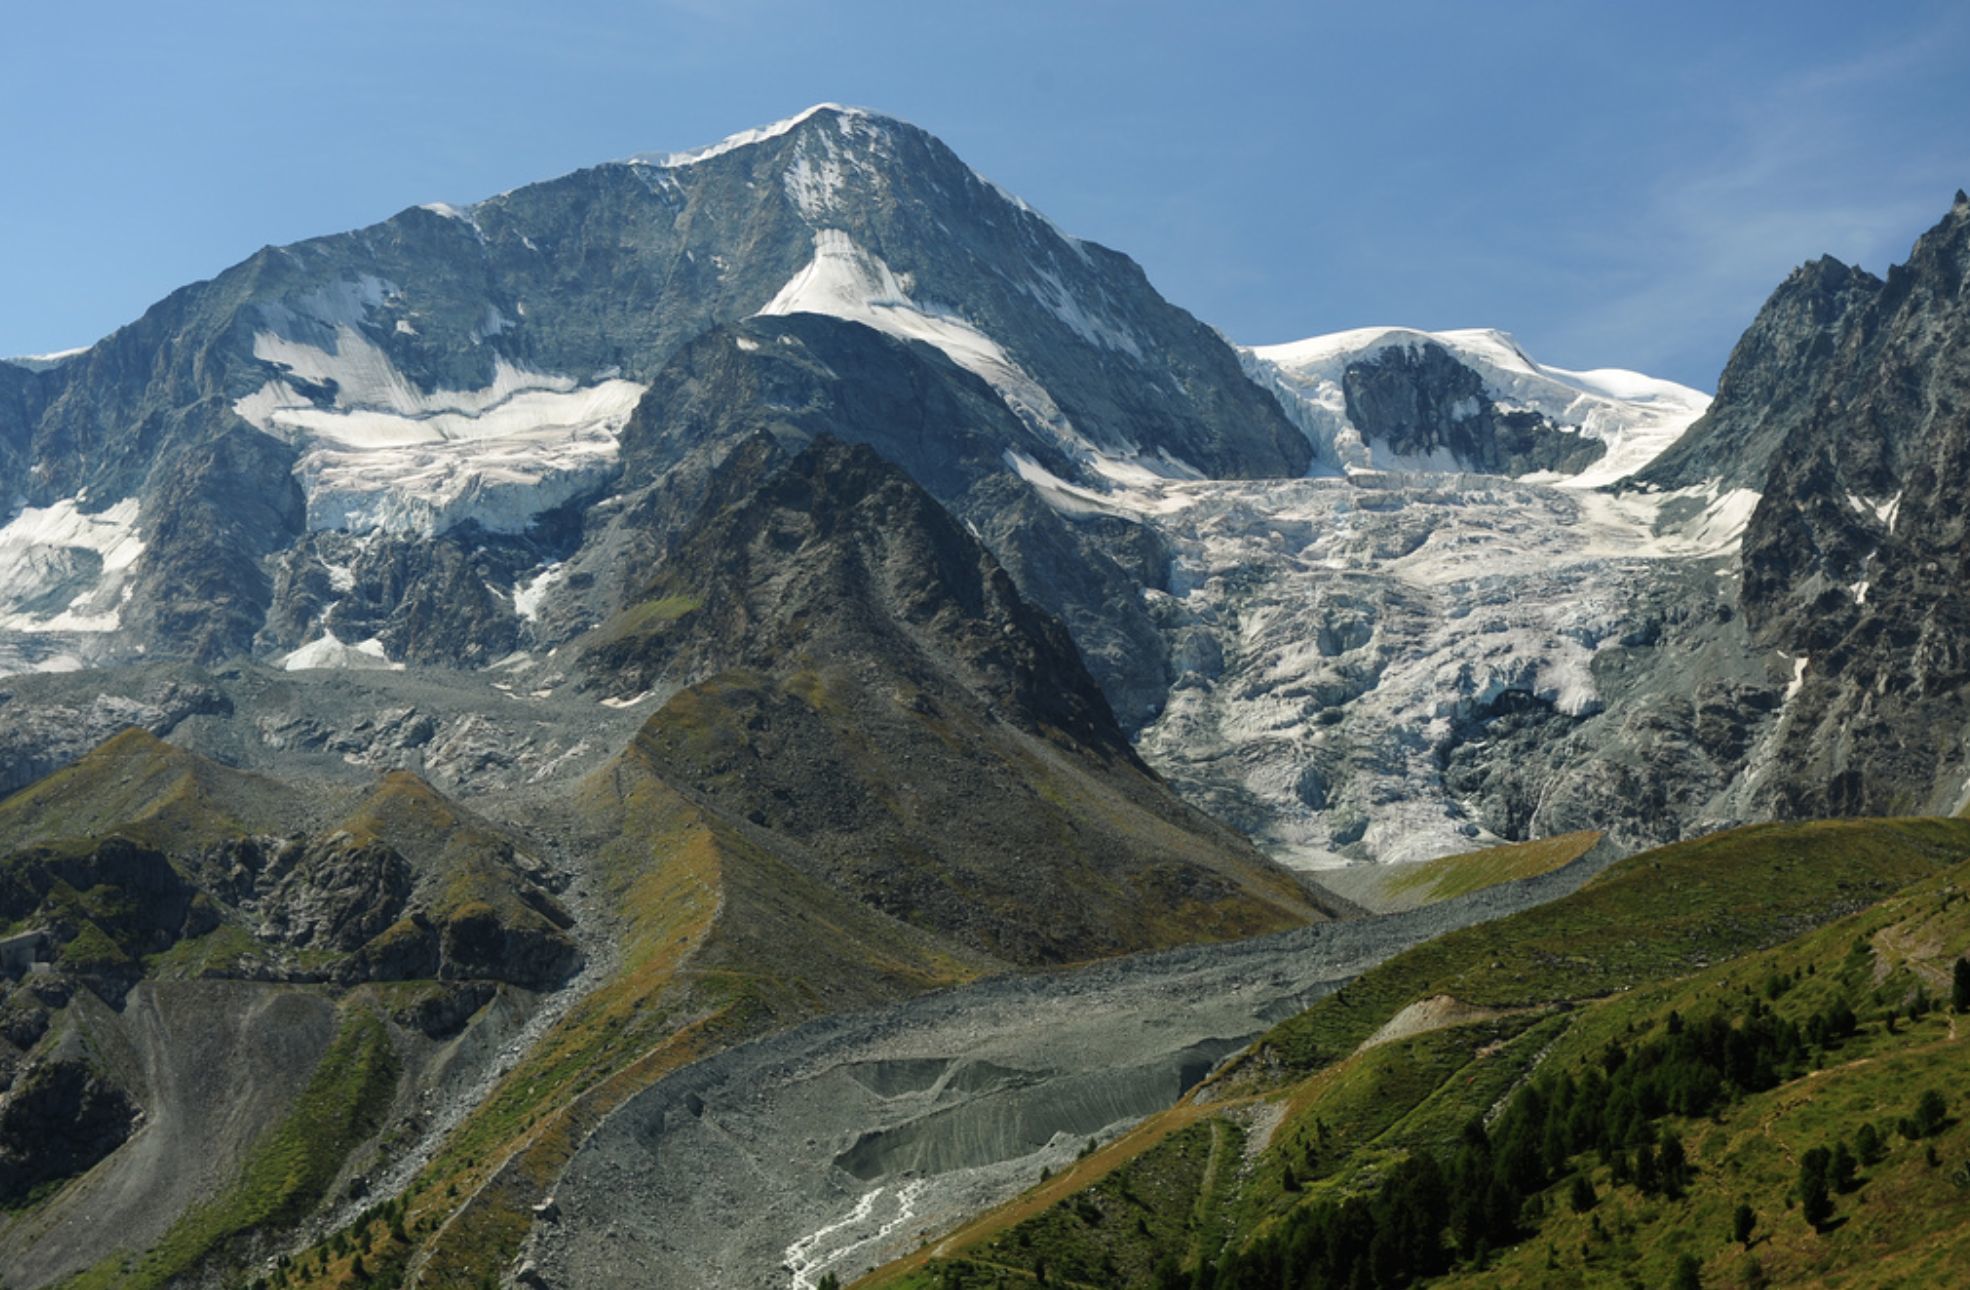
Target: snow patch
384, 454
326, 651
845, 281
528, 597
450, 211
43, 362
1640, 525
63, 570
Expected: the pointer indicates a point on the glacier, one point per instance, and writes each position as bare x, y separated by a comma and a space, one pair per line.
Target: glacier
1637, 417
1333, 638
385, 455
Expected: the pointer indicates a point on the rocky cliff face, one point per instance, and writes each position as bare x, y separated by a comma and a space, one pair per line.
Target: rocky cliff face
1779, 371
1425, 405
1855, 561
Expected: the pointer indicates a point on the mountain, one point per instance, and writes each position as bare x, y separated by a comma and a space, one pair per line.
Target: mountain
476, 687
457, 439
1393, 398
850, 670
1854, 559
475, 366
874, 770
1778, 370
474, 435
1843, 407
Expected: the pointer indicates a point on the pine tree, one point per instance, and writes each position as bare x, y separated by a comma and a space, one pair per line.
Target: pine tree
1743, 1222
1841, 1174
1689, 1273
1959, 991
1674, 1164
1815, 1201
1648, 1174
1582, 1197
1930, 1113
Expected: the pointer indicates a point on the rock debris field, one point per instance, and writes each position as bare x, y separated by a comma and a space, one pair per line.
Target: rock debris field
848, 1141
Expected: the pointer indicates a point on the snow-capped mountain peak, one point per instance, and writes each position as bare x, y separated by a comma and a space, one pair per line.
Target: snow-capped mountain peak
1372, 398
746, 138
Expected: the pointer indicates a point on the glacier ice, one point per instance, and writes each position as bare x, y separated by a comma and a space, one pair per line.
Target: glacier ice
387, 455
65, 570
1636, 416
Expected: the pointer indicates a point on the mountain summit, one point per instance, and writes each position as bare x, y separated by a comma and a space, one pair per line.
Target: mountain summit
475, 366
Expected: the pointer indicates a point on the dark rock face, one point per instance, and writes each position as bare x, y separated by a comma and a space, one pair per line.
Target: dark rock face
476, 944
1779, 371
801, 377
1422, 401
864, 685
212, 513
428, 599
56, 1121
332, 894
836, 544
1859, 554
23, 396
104, 903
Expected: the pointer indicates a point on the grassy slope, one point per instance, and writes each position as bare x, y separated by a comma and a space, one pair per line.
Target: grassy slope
1390, 887
1906, 1222
720, 942
288, 1169
1677, 928
1459, 875
138, 785
1659, 914
939, 798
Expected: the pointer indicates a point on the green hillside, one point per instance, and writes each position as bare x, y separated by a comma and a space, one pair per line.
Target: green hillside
1581, 1094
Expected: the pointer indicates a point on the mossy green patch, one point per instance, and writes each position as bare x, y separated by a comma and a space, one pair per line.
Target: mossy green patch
1652, 916
1459, 875
288, 1169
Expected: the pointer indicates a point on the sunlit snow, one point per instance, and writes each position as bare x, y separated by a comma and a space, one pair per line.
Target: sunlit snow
327, 652
387, 455
1636, 416
62, 570
845, 281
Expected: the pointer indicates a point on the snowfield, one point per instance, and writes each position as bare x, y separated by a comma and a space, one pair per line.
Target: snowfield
65, 570
845, 281
1636, 416
386, 455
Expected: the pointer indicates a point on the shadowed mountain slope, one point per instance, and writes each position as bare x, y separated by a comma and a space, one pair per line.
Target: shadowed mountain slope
853, 672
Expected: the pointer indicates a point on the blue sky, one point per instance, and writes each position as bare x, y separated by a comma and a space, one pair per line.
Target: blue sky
1617, 185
